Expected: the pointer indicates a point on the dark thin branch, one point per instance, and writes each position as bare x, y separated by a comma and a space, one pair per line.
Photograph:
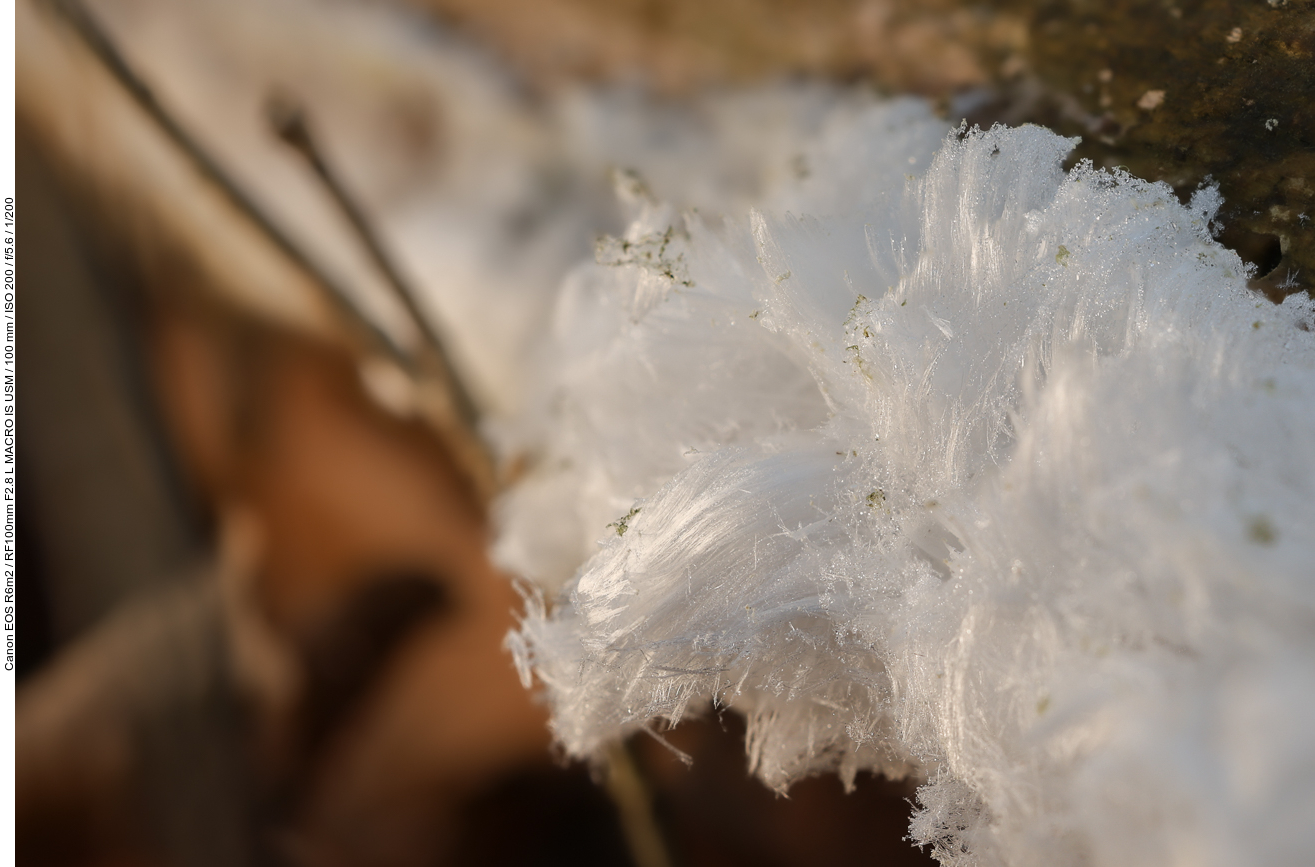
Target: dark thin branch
288, 119
98, 40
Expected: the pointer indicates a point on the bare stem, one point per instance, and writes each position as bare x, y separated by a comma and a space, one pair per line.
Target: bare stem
634, 804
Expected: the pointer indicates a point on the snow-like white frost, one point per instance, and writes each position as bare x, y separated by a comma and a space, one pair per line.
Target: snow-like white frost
926, 455
976, 469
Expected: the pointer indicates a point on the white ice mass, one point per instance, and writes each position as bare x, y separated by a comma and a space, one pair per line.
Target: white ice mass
926, 455
941, 460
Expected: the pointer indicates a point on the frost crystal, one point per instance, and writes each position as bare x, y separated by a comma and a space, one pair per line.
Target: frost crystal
990, 473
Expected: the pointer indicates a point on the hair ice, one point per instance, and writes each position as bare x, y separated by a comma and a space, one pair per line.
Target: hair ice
999, 474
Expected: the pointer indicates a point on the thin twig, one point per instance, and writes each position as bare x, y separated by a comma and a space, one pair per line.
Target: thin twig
288, 119
445, 402
634, 804
98, 40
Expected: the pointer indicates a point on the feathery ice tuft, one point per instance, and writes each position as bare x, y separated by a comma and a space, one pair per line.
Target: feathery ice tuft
991, 473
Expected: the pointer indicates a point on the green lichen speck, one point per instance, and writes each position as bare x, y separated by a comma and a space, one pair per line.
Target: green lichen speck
623, 524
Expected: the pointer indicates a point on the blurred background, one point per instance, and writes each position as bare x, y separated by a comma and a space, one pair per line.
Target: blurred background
281, 262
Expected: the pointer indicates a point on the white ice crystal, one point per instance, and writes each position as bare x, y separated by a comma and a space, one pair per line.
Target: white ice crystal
924, 454
974, 468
